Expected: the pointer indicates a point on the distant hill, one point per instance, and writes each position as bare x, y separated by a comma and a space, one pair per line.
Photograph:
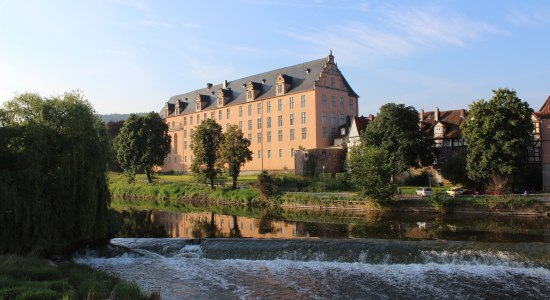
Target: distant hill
117, 117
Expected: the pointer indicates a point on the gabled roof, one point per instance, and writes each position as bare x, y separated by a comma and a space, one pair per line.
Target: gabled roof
451, 119
302, 77
360, 122
544, 111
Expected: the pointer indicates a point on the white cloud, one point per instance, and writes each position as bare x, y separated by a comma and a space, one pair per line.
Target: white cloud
529, 18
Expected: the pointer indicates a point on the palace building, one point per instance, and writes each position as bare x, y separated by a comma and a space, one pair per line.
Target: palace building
279, 111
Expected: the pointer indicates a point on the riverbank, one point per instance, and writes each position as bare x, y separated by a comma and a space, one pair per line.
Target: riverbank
28, 277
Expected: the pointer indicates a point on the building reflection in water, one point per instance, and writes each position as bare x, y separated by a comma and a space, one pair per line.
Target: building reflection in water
188, 225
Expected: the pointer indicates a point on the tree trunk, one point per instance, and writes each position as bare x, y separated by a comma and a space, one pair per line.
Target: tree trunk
148, 173
212, 182
235, 182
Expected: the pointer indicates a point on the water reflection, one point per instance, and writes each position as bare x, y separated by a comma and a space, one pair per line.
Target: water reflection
336, 224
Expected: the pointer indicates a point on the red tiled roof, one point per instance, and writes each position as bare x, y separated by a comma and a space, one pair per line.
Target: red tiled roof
544, 111
451, 119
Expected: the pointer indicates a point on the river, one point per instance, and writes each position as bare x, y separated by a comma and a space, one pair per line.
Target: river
328, 255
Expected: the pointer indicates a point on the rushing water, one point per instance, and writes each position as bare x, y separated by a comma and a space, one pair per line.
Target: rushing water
362, 256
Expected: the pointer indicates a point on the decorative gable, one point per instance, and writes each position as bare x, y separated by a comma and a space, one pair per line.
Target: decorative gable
439, 130
253, 90
282, 84
223, 97
201, 101
168, 109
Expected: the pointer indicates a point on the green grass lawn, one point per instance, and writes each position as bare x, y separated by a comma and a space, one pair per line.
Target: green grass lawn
35, 278
411, 190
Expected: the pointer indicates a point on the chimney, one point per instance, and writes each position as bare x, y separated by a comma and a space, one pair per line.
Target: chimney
463, 114
209, 85
421, 115
224, 84
436, 114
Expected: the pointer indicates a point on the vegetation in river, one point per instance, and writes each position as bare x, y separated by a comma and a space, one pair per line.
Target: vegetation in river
27, 277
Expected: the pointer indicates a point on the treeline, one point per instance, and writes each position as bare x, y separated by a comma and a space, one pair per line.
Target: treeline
54, 154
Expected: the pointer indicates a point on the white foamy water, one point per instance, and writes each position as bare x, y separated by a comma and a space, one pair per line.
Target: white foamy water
186, 274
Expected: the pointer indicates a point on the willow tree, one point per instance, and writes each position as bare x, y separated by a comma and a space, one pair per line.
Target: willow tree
234, 152
142, 143
206, 141
498, 132
53, 163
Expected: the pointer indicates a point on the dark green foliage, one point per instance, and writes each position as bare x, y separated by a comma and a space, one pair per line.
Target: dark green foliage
206, 141
454, 168
369, 172
234, 152
142, 143
395, 130
498, 132
266, 185
54, 154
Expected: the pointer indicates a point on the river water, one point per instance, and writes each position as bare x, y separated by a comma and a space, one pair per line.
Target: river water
329, 255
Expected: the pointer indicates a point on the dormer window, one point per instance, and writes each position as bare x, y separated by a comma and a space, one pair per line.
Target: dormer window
279, 89
250, 95
283, 84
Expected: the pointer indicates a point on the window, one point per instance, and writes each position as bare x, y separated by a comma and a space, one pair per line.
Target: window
241, 125
250, 137
291, 152
332, 81
333, 131
228, 113
259, 154
303, 101
190, 120
291, 102
268, 106
249, 124
303, 117
292, 134
268, 153
280, 152
259, 105
204, 116
280, 104
342, 119
240, 111
341, 103
184, 133
333, 101
269, 137
333, 119
304, 133
249, 95
280, 121
291, 119
351, 105
324, 118
212, 115
198, 119
324, 132
227, 126
220, 114
249, 109
279, 89
324, 101
268, 121
259, 123
175, 143
184, 144
280, 135
191, 133
259, 137
184, 121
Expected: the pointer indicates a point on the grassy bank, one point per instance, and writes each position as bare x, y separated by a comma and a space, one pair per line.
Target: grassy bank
35, 278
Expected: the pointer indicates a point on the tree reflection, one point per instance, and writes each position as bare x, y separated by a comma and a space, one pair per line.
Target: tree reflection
202, 229
138, 224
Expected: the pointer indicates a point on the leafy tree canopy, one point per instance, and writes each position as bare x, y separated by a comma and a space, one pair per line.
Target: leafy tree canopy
370, 173
498, 132
234, 152
206, 141
395, 130
142, 143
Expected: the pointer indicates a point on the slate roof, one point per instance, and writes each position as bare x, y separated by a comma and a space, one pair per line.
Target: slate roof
300, 81
451, 119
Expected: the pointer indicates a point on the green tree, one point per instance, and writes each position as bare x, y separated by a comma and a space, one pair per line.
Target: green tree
54, 154
370, 173
498, 133
454, 168
206, 141
395, 130
142, 143
234, 152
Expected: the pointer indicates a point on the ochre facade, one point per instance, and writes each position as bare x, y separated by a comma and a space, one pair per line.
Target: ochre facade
279, 112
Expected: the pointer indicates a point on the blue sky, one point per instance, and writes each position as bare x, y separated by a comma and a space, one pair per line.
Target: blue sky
131, 56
